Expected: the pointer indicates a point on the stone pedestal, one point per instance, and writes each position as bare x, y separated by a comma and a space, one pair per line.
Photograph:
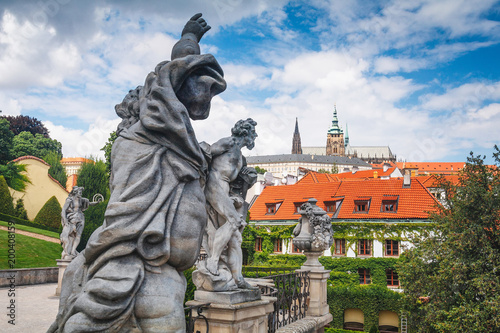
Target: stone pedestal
226, 316
62, 264
318, 305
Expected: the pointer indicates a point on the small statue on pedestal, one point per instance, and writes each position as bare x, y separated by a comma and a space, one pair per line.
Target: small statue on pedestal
73, 220
314, 232
228, 181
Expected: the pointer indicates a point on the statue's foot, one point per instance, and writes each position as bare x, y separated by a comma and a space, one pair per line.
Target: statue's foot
242, 284
212, 266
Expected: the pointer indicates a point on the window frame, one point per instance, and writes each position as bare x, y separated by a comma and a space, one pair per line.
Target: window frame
275, 205
342, 245
358, 203
390, 248
258, 244
391, 277
278, 245
364, 276
367, 246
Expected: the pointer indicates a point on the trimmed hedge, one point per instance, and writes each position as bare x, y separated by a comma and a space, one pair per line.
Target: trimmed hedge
8, 218
6, 202
338, 330
50, 214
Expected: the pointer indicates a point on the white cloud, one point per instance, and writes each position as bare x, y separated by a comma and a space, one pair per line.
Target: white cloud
79, 143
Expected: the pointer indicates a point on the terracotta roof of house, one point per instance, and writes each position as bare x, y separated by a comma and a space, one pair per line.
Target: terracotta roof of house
433, 167
317, 177
430, 181
75, 160
413, 202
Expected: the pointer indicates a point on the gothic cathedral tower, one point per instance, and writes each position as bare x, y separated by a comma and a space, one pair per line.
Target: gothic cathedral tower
335, 137
296, 145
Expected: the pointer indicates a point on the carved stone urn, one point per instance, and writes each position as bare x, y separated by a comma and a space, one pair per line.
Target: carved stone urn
314, 232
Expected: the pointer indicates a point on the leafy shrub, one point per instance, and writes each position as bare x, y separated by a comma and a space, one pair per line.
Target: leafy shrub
50, 214
94, 218
8, 218
6, 205
20, 211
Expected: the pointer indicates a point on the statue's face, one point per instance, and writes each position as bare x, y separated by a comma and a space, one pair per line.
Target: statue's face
196, 94
250, 139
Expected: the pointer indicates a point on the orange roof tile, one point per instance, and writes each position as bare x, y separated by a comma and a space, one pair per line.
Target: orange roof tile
67, 160
413, 203
433, 167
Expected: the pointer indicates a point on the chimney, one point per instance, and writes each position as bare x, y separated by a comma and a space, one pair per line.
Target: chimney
375, 174
355, 169
386, 167
407, 179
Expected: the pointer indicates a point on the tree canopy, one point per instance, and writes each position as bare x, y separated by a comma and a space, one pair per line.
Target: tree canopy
94, 179
39, 146
6, 138
56, 170
107, 151
452, 278
21, 123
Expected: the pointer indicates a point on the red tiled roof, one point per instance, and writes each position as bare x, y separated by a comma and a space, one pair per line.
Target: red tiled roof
430, 181
433, 167
316, 177
413, 203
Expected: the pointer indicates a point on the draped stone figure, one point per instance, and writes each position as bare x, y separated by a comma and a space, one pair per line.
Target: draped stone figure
228, 181
129, 277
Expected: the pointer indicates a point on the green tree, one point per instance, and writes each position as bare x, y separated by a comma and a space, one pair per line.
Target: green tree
452, 277
94, 179
39, 146
20, 211
50, 214
260, 170
56, 169
13, 174
6, 137
6, 205
21, 123
107, 151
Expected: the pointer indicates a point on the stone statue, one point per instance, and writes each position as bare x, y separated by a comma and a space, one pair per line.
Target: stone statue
73, 221
130, 276
228, 181
314, 233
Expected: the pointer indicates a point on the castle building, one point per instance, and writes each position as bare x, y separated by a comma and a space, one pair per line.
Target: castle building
338, 144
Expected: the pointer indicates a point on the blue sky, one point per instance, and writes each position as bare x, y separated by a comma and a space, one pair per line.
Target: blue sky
420, 76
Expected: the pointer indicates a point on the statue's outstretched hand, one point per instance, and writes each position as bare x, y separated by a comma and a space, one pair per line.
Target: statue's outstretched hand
196, 26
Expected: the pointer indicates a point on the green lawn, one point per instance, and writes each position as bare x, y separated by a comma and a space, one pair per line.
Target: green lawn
32, 229
30, 252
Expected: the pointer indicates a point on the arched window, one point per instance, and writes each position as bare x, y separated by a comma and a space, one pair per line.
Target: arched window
388, 322
354, 320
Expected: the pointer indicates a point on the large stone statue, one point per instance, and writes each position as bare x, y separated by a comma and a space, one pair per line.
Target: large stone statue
130, 276
73, 221
228, 181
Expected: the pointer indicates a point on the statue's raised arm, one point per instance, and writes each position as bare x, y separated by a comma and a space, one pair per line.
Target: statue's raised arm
192, 33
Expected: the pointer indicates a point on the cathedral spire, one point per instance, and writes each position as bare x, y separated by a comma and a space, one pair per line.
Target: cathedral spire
296, 144
335, 129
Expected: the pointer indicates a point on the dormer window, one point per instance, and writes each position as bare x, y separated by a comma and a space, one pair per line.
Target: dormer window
272, 208
297, 206
330, 206
389, 204
361, 205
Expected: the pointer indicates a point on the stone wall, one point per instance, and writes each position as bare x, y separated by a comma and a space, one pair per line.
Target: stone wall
26, 276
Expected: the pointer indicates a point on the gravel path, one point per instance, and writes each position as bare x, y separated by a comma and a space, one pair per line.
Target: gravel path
34, 235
